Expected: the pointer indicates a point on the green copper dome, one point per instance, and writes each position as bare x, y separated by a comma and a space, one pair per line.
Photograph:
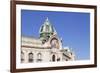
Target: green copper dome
46, 27
46, 30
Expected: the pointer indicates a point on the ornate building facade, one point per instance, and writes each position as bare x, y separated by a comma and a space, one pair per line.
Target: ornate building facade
47, 48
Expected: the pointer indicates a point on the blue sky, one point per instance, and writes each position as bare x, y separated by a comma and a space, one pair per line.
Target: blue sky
72, 27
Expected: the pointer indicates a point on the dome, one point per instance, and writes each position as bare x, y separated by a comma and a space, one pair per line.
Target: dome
46, 27
46, 30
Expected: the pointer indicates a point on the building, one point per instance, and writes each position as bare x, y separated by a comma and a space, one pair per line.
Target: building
47, 48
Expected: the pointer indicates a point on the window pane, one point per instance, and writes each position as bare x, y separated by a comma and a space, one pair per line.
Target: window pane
30, 57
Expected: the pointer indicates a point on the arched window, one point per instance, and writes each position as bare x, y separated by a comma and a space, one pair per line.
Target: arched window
30, 55
54, 43
53, 58
22, 56
39, 57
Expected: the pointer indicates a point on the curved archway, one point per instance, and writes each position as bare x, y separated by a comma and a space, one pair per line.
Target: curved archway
30, 55
54, 43
53, 58
39, 57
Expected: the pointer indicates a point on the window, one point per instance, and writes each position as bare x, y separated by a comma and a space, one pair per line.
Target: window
54, 43
47, 28
39, 57
58, 59
53, 58
30, 57
43, 41
22, 56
